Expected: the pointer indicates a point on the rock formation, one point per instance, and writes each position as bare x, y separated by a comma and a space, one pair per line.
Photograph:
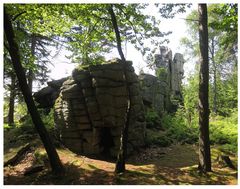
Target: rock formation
90, 106
153, 92
46, 96
163, 91
90, 110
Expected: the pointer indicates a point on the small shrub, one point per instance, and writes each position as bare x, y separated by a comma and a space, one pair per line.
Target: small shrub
48, 119
40, 157
6, 126
155, 137
177, 128
26, 125
224, 131
152, 119
161, 73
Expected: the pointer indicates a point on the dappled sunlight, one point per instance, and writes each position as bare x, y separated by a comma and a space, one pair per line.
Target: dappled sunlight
171, 169
173, 165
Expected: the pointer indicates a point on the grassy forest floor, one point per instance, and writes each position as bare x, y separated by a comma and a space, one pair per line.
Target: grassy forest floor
172, 165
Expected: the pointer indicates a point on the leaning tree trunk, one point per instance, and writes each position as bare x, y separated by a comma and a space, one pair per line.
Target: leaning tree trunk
204, 144
120, 164
12, 101
15, 57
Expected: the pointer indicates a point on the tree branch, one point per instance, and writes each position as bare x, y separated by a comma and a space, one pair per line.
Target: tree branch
132, 26
115, 26
189, 19
17, 15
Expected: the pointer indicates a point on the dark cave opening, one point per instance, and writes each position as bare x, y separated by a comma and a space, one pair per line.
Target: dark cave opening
106, 141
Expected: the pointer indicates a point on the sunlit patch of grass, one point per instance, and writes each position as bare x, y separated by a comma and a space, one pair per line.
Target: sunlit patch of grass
179, 156
135, 177
12, 152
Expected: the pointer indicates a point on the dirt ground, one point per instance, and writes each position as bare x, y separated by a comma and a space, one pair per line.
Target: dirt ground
174, 165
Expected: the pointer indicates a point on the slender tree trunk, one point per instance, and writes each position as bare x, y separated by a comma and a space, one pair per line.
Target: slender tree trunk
204, 144
12, 101
214, 77
30, 73
15, 57
120, 164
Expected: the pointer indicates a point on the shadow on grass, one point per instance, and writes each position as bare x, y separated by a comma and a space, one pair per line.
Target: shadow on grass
173, 156
74, 175
190, 176
162, 171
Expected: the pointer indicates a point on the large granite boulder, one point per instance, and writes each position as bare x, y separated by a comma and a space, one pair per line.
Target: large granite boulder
91, 109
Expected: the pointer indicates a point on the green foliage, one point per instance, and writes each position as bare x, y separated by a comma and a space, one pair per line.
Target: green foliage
190, 96
222, 22
228, 14
170, 10
224, 131
24, 120
228, 94
48, 119
191, 41
87, 28
6, 126
154, 137
31, 25
161, 73
5, 107
40, 157
152, 118
177, 128
20, 110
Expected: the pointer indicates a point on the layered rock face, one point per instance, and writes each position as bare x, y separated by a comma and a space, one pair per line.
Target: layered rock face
163, 90
90, 110
153, 92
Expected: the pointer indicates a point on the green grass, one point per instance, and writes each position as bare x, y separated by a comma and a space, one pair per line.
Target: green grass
224, 131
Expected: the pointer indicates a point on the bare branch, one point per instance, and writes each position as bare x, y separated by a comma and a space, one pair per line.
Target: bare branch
189, 19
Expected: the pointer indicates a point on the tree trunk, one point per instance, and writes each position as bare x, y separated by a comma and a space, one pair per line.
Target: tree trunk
15, 57
120, 164
204, 144
11, 101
